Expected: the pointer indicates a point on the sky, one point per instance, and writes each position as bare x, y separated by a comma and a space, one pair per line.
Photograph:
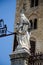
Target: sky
7, 13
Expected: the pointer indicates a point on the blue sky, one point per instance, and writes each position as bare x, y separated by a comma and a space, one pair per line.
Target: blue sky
7, 13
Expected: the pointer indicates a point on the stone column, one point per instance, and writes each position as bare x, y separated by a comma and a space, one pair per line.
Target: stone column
19, 58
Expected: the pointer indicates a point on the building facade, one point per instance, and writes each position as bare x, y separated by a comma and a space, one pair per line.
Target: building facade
33, 9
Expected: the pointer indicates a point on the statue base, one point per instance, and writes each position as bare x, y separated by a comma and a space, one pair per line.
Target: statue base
20, 57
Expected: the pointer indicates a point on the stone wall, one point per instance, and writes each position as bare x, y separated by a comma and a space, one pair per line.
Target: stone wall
31, 13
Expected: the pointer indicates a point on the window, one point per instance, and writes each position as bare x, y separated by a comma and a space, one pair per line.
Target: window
34, 3
33, 24
32, 49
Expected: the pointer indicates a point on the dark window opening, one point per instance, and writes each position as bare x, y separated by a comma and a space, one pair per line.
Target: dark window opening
35, 23
34, 3
32, 49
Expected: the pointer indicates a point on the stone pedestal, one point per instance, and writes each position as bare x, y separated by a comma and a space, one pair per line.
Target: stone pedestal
20, 57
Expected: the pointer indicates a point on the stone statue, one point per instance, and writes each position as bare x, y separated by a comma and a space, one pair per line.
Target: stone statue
23, 29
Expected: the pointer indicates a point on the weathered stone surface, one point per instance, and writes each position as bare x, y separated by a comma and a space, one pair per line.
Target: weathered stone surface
19, 58
31, 13
37, 35
19, 62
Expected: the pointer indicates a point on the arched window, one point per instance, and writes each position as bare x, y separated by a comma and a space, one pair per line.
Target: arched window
34, 3
33, 23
